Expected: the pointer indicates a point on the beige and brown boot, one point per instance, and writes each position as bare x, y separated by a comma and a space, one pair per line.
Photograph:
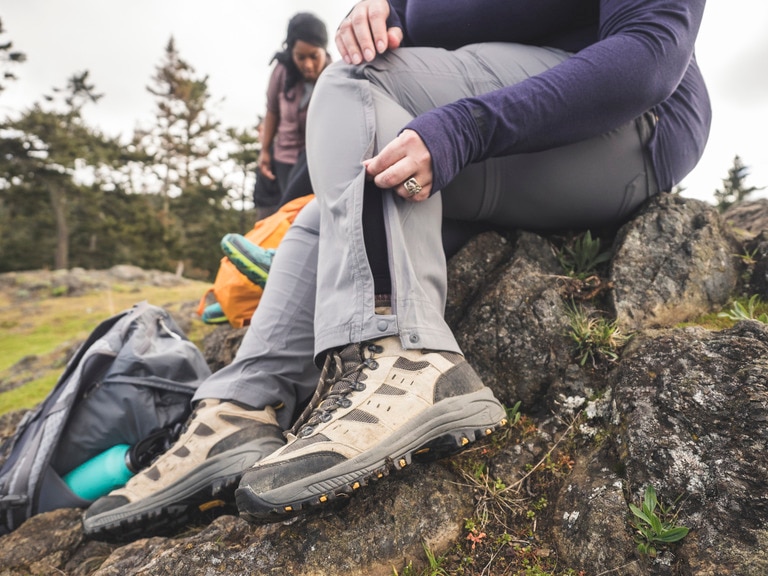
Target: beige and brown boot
196, 475
377, 407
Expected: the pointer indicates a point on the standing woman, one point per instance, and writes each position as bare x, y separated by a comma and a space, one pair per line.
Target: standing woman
293, 78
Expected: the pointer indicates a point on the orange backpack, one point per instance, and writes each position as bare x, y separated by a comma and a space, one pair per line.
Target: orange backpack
237, 295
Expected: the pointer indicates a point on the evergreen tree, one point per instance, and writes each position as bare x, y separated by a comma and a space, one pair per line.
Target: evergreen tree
118, 227
734, 188
200, 171
47, 153
71, 197
185, 133
245, 157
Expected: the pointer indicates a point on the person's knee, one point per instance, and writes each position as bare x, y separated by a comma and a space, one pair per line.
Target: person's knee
308, 220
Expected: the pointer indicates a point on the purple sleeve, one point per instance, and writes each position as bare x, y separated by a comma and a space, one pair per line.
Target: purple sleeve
643, 52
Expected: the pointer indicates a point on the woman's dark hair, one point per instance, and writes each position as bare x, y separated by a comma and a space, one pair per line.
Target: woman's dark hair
307, 28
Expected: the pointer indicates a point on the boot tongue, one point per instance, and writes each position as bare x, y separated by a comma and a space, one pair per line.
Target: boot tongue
351, 357
336, 364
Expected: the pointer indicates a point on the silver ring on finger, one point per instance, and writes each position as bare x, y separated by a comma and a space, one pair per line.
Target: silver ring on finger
412, 187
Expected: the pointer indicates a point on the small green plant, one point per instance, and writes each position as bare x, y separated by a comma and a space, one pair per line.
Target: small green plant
595, 338
479, 469
434, 567
739, 312
748, 256
513, 414
655, 524
579, 257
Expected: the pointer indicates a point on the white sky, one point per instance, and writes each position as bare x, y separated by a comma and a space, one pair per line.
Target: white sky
232, 41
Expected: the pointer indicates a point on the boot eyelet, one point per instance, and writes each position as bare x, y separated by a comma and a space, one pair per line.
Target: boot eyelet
306, 431
345, 403
325, 417
359, 386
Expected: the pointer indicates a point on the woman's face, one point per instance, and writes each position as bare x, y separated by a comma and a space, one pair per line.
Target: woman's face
309, 59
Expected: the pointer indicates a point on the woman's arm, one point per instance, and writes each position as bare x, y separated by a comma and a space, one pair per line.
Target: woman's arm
271, 120
643, 52
268, 131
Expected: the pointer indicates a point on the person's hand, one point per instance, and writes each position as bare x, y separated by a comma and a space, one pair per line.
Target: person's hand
265, 165
402, 163
363, 33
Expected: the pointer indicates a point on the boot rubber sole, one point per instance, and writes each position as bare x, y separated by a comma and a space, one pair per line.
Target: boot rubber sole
446, 428
206, 492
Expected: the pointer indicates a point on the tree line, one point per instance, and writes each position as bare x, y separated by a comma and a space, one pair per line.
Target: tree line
72, 197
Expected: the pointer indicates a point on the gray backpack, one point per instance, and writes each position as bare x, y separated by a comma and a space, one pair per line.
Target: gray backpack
131, 382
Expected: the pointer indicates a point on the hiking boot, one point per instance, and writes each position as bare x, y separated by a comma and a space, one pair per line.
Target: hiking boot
196, 477
377, 408
250, 259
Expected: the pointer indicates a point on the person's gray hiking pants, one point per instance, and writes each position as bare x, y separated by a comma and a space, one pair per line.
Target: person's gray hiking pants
354, 112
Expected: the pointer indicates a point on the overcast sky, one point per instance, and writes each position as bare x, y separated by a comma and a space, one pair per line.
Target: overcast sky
232, 41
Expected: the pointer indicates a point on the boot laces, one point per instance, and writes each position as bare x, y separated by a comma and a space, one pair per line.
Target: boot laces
342, 378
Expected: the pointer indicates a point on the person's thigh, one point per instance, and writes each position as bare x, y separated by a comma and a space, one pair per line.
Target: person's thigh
422, 78
598, 182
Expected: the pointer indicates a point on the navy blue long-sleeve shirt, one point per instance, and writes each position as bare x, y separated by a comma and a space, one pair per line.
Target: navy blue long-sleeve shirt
629, 57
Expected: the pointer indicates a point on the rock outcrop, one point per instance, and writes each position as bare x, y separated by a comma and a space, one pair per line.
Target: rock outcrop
683, 409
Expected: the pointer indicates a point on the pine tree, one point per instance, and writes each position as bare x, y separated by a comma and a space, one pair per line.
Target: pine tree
201, 171
734, 188
46, 151
185, 134
245, 157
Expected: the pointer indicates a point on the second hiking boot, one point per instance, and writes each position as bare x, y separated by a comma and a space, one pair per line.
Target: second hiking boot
377, 407
197, 475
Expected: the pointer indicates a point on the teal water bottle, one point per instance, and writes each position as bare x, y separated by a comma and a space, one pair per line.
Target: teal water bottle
101, 474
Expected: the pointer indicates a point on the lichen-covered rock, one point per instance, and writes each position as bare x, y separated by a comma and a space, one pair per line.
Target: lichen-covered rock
589, 525
471, 268
754, 260
514, 333
42, 545
692, 407
381, 529
673, 262
220, 346
748, 218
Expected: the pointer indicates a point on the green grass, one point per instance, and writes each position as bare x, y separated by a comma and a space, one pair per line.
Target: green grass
29, 395
744, 307
47, 327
